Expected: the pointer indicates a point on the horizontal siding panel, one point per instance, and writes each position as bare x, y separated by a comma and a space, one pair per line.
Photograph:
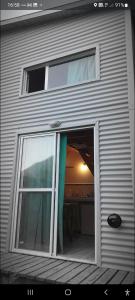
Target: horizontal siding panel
107, 229
119, 261
3, 228
76, 115
115, 148
114, 131
116, 181
116, 162
4, 219
119, 178
129, 206
72, 26
126, 256
2, 235
115, 152
114, 72
112, 124
117, 248
120, 85
114, 168
113, 63
115, 189
107, 211
4, 222
4, 213
50, 101
115, 141
48, 52
117, 202
103, 33
67, 120
106, 121
118, 236
115, 156
129, 261
122, 243
99, 106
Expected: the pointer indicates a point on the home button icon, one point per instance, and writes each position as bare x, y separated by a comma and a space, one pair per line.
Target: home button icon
68, 292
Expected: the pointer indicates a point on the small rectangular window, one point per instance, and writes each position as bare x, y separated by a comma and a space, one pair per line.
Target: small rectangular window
35, 80
65, 71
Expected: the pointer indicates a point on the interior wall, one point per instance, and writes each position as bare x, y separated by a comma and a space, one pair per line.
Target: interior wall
74, 174
81, 187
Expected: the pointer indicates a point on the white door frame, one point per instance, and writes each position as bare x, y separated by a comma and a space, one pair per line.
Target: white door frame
16, 197
54, 208
96, 198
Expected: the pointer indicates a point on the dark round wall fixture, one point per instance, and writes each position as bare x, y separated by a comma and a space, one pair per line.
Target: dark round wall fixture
114, 220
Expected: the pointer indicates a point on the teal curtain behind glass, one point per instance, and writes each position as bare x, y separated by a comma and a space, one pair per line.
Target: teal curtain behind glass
81, 70
62, 169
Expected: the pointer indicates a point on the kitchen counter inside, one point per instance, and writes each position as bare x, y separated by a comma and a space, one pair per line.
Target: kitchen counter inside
81, 200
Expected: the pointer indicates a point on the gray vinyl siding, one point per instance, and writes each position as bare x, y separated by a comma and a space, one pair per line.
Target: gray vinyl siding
105, 100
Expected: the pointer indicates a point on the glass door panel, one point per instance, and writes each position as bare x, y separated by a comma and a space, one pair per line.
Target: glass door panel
37, 162
34, 221
35, 193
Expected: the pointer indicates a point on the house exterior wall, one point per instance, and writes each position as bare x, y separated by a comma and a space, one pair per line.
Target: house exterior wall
105, 100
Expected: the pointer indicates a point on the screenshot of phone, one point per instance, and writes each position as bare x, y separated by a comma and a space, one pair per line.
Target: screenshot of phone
67, 217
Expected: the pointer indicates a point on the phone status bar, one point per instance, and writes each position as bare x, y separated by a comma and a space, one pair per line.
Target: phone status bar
43, 5
110, 5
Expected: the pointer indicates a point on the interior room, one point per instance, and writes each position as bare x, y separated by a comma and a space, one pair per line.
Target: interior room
78, 209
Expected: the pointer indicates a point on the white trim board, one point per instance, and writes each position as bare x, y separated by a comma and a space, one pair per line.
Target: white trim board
131, 88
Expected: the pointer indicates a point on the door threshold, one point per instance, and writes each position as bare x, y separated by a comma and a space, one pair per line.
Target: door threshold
91, 262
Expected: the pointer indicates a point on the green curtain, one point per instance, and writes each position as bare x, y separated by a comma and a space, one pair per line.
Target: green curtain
81, 70
62, 169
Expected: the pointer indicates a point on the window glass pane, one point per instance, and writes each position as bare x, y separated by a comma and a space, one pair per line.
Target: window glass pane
37, 162
72, 72
57, 75
36, 80
34, 212
81, 70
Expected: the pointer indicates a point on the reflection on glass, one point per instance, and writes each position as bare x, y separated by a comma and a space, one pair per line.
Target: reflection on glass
37, 162
34, 230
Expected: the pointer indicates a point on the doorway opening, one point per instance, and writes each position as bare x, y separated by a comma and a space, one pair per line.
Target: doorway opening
54, 212
76, 203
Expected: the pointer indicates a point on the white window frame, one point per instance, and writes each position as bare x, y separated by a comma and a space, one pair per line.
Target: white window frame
57, 59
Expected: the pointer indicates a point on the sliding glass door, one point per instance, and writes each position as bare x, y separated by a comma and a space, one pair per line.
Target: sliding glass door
35, 193
55, 199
